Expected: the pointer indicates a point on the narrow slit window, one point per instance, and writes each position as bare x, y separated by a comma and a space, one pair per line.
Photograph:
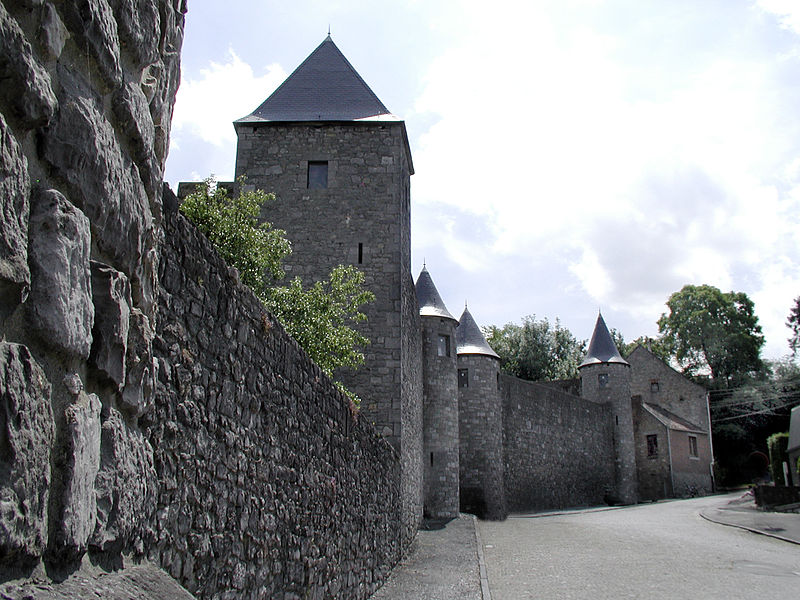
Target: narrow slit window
317, 174
463, 378
654, 385
444, 345
652, 445
693, 446
360, 253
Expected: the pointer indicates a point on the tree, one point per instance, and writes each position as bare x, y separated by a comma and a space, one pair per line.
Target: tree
712, 333
793, 323
654, 345
320, 318
536, 350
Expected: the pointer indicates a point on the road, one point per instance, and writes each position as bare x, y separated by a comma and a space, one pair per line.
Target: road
652, 551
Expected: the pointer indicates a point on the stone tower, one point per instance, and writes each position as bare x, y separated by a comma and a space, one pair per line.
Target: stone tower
339, 164
480, 423
606, 377
440, 402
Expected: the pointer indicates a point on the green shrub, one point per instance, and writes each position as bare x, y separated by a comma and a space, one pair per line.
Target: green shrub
777, 445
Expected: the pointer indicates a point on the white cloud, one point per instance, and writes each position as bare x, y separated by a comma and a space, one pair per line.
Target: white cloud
206, 106
787, 11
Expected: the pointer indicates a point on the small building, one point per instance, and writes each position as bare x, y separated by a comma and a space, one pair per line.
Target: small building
793, 449
672, 430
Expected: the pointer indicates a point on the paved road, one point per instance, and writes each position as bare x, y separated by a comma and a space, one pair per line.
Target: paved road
652, 551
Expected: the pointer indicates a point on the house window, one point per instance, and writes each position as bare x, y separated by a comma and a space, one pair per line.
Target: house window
654, 385
444, 345
317, 174
602, 379
463, 378
693, 446
652, 445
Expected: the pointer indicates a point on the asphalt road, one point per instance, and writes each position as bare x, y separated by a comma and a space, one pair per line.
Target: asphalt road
652, 551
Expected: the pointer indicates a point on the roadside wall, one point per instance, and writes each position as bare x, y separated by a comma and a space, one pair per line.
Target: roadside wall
558, 448
269, 484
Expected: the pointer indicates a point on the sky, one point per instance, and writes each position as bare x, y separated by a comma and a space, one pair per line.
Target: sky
571, 155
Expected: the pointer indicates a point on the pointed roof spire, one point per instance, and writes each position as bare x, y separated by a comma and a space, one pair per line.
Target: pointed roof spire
325, 87
602, 348
430, 302
469, 337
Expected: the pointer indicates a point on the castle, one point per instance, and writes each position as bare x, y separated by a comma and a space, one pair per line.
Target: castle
470, 438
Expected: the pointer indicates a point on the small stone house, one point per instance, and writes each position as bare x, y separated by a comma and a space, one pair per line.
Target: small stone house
671, 428
793, 448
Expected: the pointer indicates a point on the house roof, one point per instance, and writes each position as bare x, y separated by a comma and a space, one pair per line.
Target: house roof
469, 337
325, 87
794, 430
430, 302
671, 420
602, 348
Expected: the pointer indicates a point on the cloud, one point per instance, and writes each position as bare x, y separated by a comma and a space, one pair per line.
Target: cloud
787, 11
207, 105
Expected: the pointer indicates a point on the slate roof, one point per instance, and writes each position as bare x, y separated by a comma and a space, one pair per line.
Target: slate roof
469, 337
325, 87
602, 348
671, 420
430, 302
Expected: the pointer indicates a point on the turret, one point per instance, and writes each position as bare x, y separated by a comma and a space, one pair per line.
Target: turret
606, 377
480, 422
440, 402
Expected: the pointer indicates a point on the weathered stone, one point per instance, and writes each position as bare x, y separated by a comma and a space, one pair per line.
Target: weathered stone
111, 293
125, 487
139, 24
60, 306
83, 463
26, 85
92, 21
142, 368
26, 437
132, 111
53, 34
14, 190
82, 145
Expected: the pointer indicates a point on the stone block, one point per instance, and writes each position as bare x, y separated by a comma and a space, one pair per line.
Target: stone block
93, 23
111, 293
27, 431
142, 368
60, 306
26, 88
126, 487
83, 463
139, 26
14, 210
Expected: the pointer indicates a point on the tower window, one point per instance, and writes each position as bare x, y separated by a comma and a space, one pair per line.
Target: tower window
444, 345
652, 445
360, 253
463, 378
602, 379
692, 446
654, 385
317, 174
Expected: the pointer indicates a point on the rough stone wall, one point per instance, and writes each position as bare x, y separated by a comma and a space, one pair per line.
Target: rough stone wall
362, 218
440, 419
480, 432
270, 487
610, 382
653, 472
85, 108
691, 475
558, 448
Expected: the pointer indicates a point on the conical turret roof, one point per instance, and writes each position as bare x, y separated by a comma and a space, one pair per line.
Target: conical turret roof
602, 348
430, 302
469, 337
325, 87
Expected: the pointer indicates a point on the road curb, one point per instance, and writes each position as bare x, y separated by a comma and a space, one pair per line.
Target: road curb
485, 593
720, 521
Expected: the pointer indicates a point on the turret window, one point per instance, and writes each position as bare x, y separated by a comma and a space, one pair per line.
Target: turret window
444, 345
463, 378
654, 385
602, 379
317, 174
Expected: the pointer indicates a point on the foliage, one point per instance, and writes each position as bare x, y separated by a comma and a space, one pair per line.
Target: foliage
777, 444
708, 331
793, 323
654, 345
319, 317
536, 350
232, 225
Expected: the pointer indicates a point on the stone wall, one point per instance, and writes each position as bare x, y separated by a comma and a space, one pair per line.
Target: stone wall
558, 450
85, 108
269, 483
